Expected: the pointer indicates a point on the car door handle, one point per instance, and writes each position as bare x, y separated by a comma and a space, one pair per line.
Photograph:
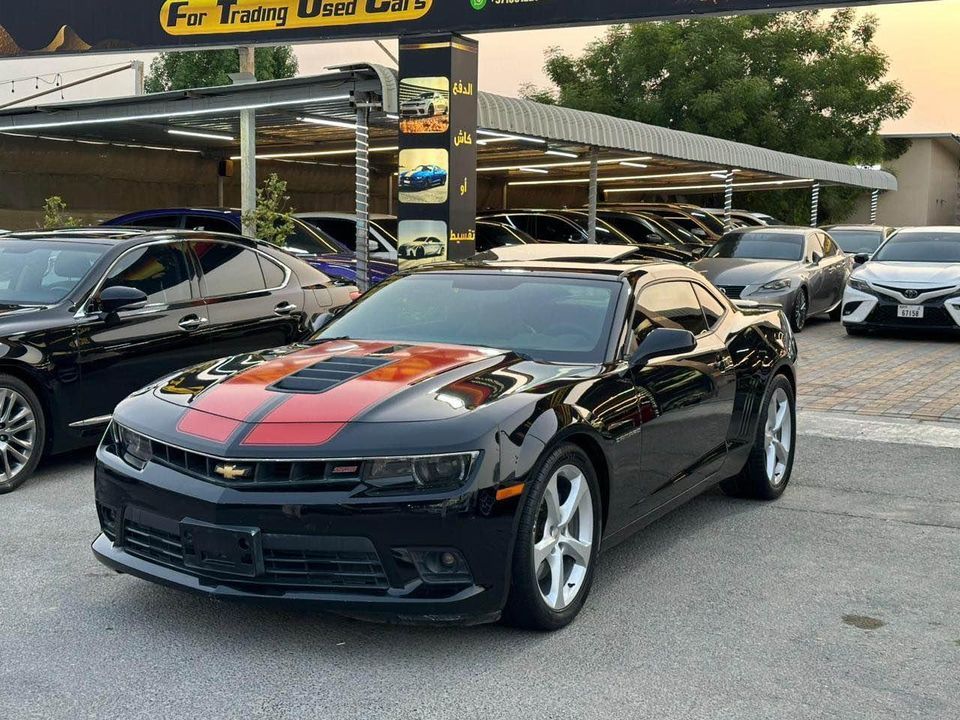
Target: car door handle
285, 308
192, 322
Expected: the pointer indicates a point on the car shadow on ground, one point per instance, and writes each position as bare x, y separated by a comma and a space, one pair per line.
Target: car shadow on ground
156, 610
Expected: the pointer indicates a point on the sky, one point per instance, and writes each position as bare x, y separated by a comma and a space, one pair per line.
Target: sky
919, 37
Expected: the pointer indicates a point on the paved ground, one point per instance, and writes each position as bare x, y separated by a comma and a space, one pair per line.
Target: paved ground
841, 600
916, 377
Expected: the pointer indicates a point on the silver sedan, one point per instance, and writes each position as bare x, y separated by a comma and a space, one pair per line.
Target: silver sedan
800, 269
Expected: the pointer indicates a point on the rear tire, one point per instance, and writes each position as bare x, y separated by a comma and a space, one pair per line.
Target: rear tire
22, 432
768, 468
556, 548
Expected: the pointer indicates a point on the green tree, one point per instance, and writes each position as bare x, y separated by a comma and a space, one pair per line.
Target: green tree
207, 68
55, 214
272, 217
808, 83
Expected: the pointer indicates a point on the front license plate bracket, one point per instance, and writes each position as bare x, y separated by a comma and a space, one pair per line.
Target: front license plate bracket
225, 550
914, 312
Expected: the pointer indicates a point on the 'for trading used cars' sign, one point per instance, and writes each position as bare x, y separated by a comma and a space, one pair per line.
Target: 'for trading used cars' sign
79, 26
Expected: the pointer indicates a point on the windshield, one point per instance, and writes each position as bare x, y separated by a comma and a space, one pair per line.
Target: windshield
551, 319
758, 246
709, 220
605, 236
857, 241
43, 272
939, 247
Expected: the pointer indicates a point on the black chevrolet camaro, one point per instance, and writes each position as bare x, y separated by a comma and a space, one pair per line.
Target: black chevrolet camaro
455, 447
89, 316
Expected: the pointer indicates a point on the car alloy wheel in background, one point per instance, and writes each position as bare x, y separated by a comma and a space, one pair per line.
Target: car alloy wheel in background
799, 316
20, 435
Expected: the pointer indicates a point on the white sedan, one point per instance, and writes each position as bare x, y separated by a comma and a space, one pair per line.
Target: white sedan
911, 282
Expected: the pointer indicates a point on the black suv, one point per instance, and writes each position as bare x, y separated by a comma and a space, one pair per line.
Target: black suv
89, 316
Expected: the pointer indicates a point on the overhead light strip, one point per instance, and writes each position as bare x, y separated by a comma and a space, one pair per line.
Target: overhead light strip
614, 178
329, 123
316, 153
573, 163
177, 113
205, 135
714, 186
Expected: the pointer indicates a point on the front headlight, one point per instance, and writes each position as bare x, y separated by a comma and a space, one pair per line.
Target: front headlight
781, 284
425, 473
859, 285
134, 449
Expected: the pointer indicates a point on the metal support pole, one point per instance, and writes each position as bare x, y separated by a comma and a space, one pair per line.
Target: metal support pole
503, 200
138, 77
363, 197
874, 203
248, 145
592, 196
390, 185
814, 204
220, 202
728, 200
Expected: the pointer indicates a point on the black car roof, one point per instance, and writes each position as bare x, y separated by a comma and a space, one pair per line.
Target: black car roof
125, 234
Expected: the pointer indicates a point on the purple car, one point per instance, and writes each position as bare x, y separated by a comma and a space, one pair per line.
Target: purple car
307, 242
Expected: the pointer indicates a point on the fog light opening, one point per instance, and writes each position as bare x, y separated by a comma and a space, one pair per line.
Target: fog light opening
440, 565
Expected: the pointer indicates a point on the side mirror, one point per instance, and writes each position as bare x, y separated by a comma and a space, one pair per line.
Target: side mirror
699, 232
120, 297
324, 319
860, 258
655, 239
372, 245
816, 258
661, 342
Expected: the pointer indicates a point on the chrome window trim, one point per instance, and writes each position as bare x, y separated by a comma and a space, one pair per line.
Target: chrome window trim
82, 309
286, 278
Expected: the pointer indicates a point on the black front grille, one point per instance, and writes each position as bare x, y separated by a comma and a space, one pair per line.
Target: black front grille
732, 291
933, 316
316, 562
327, 374
333, 475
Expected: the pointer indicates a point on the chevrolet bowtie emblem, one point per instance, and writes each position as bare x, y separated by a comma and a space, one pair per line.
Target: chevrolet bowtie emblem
231, 472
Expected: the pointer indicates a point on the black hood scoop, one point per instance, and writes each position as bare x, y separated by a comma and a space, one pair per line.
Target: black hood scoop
327, 374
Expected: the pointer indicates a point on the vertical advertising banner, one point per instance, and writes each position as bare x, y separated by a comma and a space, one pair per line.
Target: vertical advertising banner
438, 152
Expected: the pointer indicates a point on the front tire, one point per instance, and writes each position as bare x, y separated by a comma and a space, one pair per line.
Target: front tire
768, 468
22, 432
557, 542
798, 313
837, 312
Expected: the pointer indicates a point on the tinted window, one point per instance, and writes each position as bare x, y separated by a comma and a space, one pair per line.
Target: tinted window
551, 319
925, 246
388, 228
670, 304
160, 271
713, 309
211, 224
273, 274
306, 240
759, 246
159, 221
493, 236
857, 241
228, 269
551, 229
38, 272
605, 235
638, 229
342, 230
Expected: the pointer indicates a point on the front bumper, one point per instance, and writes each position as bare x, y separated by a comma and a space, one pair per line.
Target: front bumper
777, 298
317, 549
869, 311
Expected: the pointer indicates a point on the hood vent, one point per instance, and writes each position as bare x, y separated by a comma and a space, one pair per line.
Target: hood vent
327, 374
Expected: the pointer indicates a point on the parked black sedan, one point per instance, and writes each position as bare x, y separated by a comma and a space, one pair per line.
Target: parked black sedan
456, 446
89, 316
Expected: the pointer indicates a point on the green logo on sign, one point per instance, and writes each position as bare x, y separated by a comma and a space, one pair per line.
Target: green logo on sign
478, 4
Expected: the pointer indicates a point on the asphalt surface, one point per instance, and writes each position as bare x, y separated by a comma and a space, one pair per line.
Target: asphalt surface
840, 600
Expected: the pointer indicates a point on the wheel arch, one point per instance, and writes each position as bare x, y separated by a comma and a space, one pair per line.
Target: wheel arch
26, 376
586, 441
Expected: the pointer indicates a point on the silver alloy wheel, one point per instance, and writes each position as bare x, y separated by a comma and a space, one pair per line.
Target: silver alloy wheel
18, 432
778, 436
800, 310
563, 537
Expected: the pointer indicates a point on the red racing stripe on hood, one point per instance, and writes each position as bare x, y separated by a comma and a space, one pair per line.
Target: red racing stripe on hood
315, 419
237, 398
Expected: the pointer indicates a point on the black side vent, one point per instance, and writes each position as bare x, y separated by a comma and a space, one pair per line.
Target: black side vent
329, 373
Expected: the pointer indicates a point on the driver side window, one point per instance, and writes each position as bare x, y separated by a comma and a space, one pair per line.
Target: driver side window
672, 304
159, 271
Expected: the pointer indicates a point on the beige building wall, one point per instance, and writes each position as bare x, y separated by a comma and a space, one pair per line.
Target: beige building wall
928, 174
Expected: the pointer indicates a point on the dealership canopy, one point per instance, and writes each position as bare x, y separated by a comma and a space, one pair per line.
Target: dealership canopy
519, 141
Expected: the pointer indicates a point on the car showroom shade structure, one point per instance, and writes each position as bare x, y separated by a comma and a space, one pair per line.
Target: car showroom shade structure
521, 144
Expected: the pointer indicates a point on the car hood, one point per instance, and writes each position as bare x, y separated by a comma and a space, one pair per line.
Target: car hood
909, 273
741, 271
307, 395
15, 312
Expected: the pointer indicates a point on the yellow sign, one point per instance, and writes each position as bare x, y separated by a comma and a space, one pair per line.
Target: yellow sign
219, 17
